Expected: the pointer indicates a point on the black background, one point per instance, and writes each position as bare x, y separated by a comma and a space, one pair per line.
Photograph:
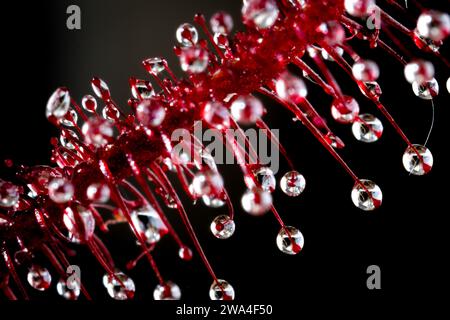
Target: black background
405, 237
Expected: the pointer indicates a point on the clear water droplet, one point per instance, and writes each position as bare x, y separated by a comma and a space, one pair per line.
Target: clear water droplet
80, 223
265, 178
98, 192
222, 227
151, 112
101, 89
149, 222
345, 111
58, 104
221, 290
110, 112
168, 291
187, 35
247, 109
39, 278
221, 22
60, 190
256, 201
216, 115
367, 128
212, 201
65, 141
143, 89
9, 194
366, 195
417, 163
185, 253
155, 65
89, 103
426, 90
290, 240
260, 13
70, 119
194, 59
69, 290
119, 286
293, 183
98, 132
290, 88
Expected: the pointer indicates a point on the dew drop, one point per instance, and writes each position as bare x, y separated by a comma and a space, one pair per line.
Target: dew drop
256, 201
265, 178
427, 90
154, 65
60, 190
149, 222
80, 223
9, 194
194, 59
187, 35
89, 103
293, 183
345, 111
167, 291
58, 104
98, 132
260, 13
221, 290
222, 227
221, 22
247, 109
39, 278
119, 286
290, 240
69, 291
417, 160
367, 196
151, 112
367, 128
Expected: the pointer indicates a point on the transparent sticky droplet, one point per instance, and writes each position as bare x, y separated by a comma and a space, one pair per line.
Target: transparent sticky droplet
60, 190
256, 201
221, 291
194, 59
290, 240
293, 183
367, 196
70, 119
156, 65
142, 89
110, 112
149, 222
39, 278
212, 201
222, 227
98, 132
417, 160
426, 90
187, 34
58, 104
265, 178
367, 128
261, 13
9, 194
79, 233
119, 286
167, 291
89, 103
69, 291
66, 142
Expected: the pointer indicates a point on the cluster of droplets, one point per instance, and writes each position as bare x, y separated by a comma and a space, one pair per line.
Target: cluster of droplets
107, 130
